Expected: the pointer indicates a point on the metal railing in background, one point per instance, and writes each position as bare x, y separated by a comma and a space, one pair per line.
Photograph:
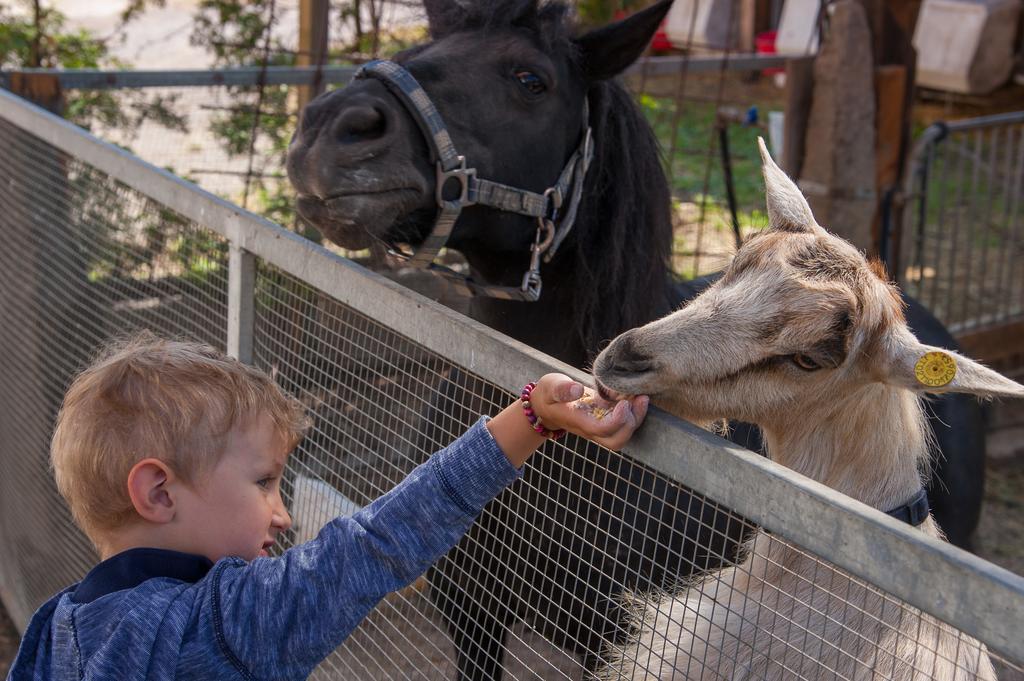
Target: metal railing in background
198, 123
98, 243
99, 79
962, 242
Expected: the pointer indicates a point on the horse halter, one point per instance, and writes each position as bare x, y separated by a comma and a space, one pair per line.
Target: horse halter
553, 224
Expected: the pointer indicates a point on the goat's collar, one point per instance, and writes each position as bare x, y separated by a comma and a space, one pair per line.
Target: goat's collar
914, 511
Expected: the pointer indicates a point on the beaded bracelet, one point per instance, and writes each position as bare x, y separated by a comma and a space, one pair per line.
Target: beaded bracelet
532, 417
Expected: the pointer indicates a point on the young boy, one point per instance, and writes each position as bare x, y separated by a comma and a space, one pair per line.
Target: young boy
170, 456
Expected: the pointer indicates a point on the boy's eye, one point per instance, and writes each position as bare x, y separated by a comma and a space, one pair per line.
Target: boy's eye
265, 482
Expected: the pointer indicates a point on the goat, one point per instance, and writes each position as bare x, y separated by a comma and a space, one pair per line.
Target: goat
807, 339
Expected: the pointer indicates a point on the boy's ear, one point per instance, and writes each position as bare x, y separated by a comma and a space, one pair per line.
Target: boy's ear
930, 369
148, 489
607, 51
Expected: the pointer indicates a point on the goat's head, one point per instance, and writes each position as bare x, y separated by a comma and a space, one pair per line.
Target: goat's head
799, 318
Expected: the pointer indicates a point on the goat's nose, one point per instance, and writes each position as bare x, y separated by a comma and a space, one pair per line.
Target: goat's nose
629, 356
360, 123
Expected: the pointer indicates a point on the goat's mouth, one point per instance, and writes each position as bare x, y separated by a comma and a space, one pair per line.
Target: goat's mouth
619, 378
610, 394
355, 219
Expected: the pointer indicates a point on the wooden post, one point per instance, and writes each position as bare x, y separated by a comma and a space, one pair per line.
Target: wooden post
840, 103
41, 88
754, 18
890, 149
799, 93
893, 25
313, 34
838, 170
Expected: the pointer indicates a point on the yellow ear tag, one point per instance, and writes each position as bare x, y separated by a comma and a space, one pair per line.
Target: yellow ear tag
935, 369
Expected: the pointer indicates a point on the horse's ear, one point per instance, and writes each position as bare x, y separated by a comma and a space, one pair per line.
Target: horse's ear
607, 51
443, 16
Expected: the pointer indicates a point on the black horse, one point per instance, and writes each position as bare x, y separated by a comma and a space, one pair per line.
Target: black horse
510, 78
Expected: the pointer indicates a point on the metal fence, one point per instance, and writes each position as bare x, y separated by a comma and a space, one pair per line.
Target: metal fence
98, 243
227, 130
960, 252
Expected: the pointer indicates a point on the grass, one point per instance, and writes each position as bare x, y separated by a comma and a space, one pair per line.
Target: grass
689, 139
695, 165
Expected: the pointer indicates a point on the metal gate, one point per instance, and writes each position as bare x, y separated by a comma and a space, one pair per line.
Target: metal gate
962, 237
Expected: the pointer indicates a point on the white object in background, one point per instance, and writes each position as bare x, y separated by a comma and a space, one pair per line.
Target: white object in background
776, 127
798, 28
314, 504
701, 23
965, 45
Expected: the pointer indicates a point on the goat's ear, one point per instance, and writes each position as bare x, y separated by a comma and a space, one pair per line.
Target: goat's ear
442, 16
930, 369
788, 210
607, 51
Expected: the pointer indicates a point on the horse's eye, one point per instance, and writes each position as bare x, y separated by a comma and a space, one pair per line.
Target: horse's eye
531, 81
805, 362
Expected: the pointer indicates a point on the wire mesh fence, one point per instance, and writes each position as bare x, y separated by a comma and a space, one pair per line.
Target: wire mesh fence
84, 259
231, 137
961, 250
558, 568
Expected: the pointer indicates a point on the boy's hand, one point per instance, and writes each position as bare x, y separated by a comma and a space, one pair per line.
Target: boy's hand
561, 402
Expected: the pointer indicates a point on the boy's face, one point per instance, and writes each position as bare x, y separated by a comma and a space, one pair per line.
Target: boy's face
237, 510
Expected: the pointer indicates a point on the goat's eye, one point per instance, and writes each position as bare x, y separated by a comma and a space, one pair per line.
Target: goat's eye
805, 362
531, 81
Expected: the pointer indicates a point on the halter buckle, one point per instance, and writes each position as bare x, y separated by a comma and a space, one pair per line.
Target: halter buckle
463, 174
545, 235
553, 198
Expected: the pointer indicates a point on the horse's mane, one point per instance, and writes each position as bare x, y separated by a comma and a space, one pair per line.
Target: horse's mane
624, 228
549, 20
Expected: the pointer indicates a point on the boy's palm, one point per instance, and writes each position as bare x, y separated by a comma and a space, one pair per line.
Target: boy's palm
570, 405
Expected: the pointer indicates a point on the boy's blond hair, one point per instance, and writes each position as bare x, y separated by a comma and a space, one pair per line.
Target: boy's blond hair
147, 397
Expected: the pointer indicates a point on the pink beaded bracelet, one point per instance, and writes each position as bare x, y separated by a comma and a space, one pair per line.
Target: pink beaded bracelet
532, 417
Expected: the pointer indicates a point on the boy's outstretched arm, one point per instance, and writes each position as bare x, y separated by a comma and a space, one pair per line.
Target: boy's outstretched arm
280, 617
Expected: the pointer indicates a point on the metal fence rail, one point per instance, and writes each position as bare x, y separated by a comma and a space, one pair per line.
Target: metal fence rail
98, 242
98, 79
962, 235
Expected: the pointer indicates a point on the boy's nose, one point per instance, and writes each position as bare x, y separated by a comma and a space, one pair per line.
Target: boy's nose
281, 518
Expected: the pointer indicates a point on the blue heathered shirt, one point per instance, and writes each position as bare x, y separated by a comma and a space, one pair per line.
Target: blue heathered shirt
156, 614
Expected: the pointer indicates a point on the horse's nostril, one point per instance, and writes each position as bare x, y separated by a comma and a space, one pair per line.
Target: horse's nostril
360, 124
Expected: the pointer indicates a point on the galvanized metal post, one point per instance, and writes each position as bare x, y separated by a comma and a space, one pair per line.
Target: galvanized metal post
241, 303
